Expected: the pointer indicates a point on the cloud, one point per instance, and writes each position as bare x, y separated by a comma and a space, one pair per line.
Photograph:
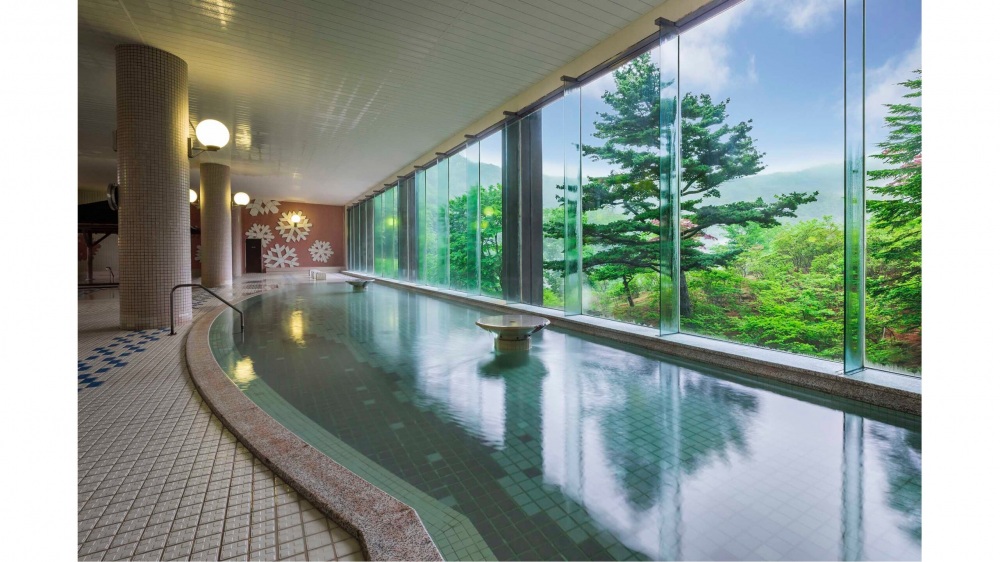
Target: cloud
705, 64
882, 87
802, 16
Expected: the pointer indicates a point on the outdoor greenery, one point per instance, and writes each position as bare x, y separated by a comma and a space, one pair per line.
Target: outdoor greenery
753, 270
893, 280
762, 278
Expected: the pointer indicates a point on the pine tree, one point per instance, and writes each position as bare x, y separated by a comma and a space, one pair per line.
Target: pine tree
713, 151
895, 235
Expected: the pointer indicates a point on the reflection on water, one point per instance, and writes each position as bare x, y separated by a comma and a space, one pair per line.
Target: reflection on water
296, 327
242, 372
580, 449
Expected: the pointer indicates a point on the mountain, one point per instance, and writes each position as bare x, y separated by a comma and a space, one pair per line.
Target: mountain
828, 179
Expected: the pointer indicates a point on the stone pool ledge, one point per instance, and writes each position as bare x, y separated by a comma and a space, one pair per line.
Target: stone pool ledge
880, 389
386, 528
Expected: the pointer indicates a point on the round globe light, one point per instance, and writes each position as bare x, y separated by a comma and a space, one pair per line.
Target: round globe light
241, 198
213, 134
296, 218
192, 195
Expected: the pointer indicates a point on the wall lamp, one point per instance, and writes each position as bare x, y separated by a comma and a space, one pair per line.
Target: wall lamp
212, 134
241, 198
296, 217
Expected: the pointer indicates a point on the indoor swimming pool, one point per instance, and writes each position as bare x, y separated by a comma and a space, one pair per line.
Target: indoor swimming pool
580, 448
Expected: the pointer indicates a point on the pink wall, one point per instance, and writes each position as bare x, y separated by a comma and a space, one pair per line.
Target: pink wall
327, 225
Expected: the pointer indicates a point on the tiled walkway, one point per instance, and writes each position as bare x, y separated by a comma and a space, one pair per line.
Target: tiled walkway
159, 477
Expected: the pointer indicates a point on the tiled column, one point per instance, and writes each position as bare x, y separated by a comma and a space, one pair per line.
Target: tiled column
237, 239
216, 225
154, 223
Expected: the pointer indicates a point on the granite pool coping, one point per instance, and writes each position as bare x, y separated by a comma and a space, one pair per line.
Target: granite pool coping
880, 389
386, 528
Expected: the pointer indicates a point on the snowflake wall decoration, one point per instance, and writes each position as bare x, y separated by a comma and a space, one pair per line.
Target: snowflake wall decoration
260, 232
197, 253
293, 232
281, 256
263, 207
321, 251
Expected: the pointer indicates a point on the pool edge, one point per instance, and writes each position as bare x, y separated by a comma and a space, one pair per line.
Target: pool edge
835, 383
386, 528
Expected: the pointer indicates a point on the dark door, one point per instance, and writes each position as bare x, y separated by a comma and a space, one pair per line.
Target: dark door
253, 256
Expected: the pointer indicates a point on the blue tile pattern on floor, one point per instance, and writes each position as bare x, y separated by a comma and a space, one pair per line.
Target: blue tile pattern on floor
92, 371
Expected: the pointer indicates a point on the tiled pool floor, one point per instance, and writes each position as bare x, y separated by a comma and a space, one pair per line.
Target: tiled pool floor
580, 449
159, 477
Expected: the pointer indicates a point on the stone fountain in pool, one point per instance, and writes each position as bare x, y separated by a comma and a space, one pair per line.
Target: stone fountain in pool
513, 331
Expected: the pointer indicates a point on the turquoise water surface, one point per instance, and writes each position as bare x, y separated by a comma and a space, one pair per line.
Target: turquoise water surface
579, 449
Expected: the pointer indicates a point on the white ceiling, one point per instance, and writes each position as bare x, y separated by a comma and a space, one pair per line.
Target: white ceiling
324, 98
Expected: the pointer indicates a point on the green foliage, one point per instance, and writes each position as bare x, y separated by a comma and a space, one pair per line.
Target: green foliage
463, 224
714, 152
894, 281
785, 290
491, 230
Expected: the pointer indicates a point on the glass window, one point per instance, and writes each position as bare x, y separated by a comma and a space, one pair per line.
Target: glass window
762, 179
893, 139
491, 214
462, 212
435, 255
553, 211
621, 192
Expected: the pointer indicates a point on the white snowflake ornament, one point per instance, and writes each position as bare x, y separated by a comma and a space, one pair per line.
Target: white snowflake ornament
292, 231
197, 253
263, 207
260, 232
281, 256
321, 251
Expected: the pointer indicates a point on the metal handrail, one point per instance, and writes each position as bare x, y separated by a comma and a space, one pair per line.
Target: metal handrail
209, 291
111, 272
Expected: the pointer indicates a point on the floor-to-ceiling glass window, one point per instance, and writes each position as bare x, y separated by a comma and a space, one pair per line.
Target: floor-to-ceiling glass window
370, 235
435, 213
352, 237
419, 204
763, 136
762, 181
621, 192
463, 196
380, 235
552, 178
490, 214
893, 142
391, 209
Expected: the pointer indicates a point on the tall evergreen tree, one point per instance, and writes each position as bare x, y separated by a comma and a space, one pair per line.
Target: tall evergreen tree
895, 233
713, 151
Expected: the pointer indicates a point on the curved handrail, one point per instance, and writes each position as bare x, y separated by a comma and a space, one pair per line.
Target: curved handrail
209, 291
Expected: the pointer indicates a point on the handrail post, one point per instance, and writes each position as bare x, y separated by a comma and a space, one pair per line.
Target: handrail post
172, 332
207, 290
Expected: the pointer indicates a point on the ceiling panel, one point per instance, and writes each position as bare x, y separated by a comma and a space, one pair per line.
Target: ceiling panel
326, 97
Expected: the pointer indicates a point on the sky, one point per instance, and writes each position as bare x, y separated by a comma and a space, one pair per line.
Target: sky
781, 64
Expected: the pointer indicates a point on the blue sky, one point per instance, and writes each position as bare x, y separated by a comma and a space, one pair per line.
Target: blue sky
781, 64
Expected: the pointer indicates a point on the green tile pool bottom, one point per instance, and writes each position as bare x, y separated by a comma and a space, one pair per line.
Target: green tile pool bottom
578, 449
452, 532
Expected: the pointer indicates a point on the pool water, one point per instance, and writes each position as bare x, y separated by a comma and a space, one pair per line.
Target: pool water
579, 449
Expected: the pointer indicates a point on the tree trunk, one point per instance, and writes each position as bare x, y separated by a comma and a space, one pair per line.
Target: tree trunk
628, 293
685, 297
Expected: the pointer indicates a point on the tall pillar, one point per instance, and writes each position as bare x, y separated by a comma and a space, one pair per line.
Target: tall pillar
154, 222
216, 225
237, 239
